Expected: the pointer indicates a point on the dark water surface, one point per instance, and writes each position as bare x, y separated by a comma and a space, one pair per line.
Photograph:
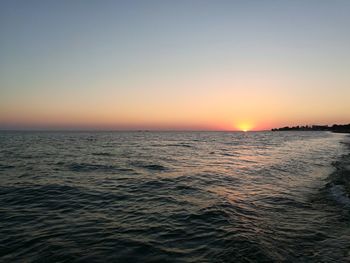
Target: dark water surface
172, 197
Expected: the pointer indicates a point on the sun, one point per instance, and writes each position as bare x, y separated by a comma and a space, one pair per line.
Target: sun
245, 127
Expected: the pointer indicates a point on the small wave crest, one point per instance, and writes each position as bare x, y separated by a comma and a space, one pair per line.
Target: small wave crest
6, 166
88, 167
150, 166
103, 154
186, 145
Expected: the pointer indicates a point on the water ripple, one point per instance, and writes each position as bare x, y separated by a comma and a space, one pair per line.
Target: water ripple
173, 197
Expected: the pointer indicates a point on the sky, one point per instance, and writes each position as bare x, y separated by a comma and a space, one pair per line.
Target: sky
173, 65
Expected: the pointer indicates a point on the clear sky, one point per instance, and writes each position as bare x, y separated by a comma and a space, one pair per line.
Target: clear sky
217, 65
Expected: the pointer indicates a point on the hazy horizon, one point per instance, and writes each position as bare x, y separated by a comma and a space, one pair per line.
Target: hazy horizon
166, 65
141, 129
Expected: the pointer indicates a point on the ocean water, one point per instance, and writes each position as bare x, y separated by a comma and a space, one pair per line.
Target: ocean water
173, 197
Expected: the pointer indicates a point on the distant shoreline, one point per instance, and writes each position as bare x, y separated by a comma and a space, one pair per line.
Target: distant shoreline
344, 128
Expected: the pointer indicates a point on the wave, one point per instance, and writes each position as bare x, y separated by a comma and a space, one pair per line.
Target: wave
186, 145
340, 195
103, 154
152, 167
5, 167
339, 181
172, 204
228, 154
155, 167
88, 167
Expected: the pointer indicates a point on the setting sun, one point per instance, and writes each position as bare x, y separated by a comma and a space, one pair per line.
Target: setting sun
244, 127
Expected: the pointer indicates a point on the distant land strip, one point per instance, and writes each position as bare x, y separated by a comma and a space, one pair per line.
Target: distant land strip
334, 128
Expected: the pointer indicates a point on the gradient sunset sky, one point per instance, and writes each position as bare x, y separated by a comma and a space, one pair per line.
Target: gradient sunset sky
184, 65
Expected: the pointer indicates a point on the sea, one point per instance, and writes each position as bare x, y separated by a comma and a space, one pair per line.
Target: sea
174, 196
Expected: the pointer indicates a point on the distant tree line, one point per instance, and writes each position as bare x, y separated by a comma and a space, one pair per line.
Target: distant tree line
334, 128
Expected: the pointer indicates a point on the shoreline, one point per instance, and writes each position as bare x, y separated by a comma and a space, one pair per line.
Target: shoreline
337, 128
339, 181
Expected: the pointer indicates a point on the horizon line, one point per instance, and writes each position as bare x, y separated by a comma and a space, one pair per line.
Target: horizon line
121, 130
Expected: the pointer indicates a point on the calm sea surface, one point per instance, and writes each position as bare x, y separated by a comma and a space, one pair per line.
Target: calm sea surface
171, 197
